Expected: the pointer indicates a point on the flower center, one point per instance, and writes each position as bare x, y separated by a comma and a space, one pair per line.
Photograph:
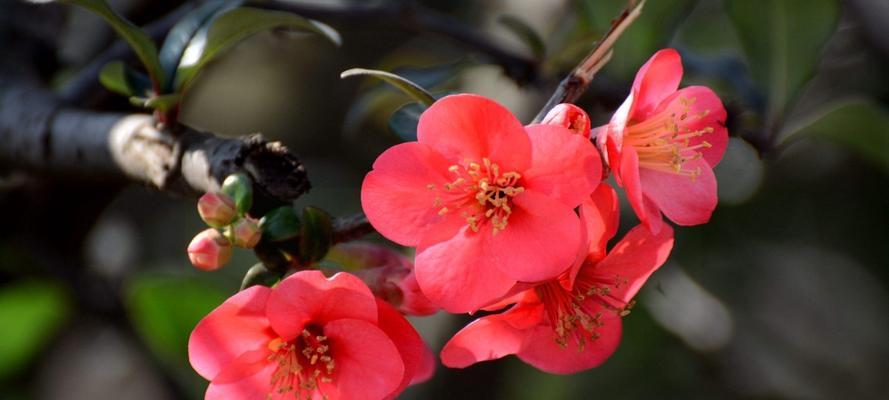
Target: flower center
578, 314
481, 193
663, 141
302, 362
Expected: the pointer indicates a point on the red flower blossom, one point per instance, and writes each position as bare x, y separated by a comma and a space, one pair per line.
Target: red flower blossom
662, 144
309, 337
487, 202
573, 323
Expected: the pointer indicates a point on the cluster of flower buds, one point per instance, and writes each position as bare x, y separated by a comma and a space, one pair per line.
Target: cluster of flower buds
230, 225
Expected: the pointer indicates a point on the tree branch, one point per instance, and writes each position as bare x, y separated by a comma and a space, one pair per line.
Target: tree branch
414, 18
39, 134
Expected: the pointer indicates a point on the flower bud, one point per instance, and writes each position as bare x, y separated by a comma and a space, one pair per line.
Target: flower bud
387, 273
569, 116
216, 209
240, 188
245, 233
209, 250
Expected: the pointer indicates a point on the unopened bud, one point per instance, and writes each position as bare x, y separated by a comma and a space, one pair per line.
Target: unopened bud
569, 116
240, 188
216, 209
245, 233
209, 250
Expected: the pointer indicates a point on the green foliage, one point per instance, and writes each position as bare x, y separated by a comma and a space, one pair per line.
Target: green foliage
165, 309
138, 40
316, 234
409, 88
232, 27
862, 127
783, 40
259, 274
526, 33
120, 79
162, 103
280, 224
30, 314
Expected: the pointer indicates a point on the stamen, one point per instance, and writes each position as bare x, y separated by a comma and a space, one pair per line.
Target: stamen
301, 375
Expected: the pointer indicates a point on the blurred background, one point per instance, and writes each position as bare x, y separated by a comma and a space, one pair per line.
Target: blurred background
782, 295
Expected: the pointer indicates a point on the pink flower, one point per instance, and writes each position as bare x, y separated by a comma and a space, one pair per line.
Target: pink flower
209, 250
388, 274
216, 209
573, 323
662, 144
309, 337
487, 202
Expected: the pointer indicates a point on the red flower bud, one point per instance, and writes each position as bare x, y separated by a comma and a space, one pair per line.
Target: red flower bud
216, 209
209, 250
569, 116
246, 233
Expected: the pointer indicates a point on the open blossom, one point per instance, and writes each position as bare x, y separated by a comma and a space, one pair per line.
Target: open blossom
662, 144
309, 337
573, 323
487, 202
388, 274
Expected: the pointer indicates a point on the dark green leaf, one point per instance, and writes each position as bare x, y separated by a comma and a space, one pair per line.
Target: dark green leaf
280, 224
240, 188
181, 34
162, 103
862, 127
165, 309
316, 234
409, 88
526, 33
782, 39
120, 79
259, 274
30, 314
403, 121
232, 27
138, 40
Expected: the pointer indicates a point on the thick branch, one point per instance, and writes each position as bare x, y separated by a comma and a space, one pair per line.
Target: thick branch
40, 135
414, 18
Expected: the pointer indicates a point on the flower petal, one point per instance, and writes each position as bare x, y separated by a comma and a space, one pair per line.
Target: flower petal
457, 275
540, 242
542, 351
564, 166
634, 259
491, 337
237, 326
645, 209
410, 345
600, 214
657, 79
683, 200
468, 126
368, 365
396, 197
255, 386
704, 110
309, 297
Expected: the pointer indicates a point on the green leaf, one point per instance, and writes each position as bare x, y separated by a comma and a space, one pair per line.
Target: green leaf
162, 103
232, 27
409, 88
316, 234
240, 188
280, 224
120, 79
185, 29
138, 40
404, 120
783, 40
259, 274
526, 33
165, 309
30, 314
862, 127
